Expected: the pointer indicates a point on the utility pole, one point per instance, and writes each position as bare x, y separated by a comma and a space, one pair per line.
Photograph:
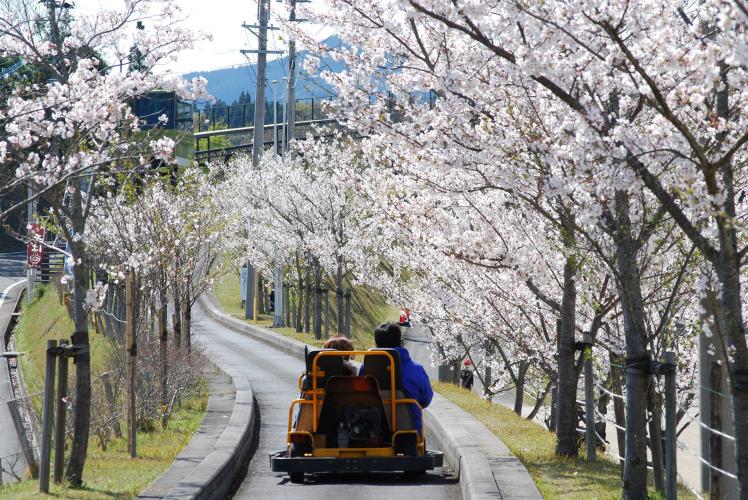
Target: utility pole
263, 14
275, 116
30, 271
291, 90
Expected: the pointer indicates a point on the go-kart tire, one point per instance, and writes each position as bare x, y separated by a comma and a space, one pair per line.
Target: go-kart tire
296, 451
296, 477
412, 475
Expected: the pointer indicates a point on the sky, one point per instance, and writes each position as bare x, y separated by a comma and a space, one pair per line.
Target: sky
223, 20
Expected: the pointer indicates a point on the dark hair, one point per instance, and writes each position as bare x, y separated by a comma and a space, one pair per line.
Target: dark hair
387, 335
340, 344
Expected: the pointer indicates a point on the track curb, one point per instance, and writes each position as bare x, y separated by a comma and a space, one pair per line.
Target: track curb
485, 466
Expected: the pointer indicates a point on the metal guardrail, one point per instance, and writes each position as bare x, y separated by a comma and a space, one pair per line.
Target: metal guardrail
240, 139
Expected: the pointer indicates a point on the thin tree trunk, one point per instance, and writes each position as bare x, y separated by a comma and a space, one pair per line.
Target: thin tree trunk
82, 415
163, 347
260, 296
287, 304
566, 401
299, 298
308, 301
187, 321
339, 293
655, 440
176, 319
715, 441
539, 400
317, 302
519, 390
616, 387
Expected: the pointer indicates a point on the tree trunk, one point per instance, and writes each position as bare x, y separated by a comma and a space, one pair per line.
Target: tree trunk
308, 301
163, 346
176, 319
317, 302
186, 321
299, 298
339, 293
519, 390
715, 441
566, 400
655, 440
616, 387
82, 415
260, 296
731, 311
287, 304
638, 358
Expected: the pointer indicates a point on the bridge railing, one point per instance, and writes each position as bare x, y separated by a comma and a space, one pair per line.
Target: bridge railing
242, 115
233, 138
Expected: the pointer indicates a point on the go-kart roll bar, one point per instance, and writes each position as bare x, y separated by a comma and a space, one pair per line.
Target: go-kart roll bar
315, 374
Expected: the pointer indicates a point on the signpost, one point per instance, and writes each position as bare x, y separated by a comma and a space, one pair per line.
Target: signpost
34, 257
35, 248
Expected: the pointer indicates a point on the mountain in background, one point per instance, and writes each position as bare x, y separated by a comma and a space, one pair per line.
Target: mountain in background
226, 84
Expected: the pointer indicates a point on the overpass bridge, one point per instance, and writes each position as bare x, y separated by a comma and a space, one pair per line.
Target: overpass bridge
221, 144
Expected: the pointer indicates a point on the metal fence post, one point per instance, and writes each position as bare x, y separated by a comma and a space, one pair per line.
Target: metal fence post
62, 393
589, 399
671, 467
49, 385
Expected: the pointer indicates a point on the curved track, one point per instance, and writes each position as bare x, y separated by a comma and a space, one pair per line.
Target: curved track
273, 375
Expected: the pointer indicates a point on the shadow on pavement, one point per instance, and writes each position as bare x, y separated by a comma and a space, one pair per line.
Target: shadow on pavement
440, 477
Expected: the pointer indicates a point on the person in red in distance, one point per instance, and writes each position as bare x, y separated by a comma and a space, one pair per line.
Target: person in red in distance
466, 376
404, 317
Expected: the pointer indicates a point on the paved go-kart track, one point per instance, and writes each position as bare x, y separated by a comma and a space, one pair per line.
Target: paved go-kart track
12, 462
273, 375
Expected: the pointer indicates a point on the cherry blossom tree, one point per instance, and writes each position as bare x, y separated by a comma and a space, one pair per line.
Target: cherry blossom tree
75, 130
627, 107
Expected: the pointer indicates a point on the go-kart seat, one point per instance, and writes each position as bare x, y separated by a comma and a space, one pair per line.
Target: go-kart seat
332, 366
378, 367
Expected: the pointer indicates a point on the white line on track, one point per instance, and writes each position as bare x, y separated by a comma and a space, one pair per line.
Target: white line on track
5, 292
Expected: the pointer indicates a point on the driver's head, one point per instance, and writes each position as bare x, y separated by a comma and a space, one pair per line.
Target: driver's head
387, 335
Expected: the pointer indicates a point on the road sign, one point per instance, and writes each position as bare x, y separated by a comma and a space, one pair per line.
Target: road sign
35, 248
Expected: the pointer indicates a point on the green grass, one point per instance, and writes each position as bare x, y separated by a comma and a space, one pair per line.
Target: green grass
368, 310
113, 473
46, 319
555, 477
109, 473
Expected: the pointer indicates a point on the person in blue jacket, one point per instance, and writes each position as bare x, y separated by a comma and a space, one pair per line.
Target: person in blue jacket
416, 384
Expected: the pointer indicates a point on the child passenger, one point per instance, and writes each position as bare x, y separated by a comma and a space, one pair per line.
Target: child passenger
343, 344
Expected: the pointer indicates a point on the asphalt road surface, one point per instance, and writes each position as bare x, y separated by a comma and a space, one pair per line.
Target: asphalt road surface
12, 462
274, 375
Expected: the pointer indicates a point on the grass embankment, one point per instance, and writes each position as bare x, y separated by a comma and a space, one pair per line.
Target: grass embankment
109, 473
555, 477
368, 309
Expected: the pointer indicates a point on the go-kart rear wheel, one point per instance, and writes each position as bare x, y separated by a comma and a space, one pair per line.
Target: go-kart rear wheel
412, 475
296, 477
296, 451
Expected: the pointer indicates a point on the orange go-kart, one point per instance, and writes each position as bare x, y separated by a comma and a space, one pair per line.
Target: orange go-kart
346, 423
